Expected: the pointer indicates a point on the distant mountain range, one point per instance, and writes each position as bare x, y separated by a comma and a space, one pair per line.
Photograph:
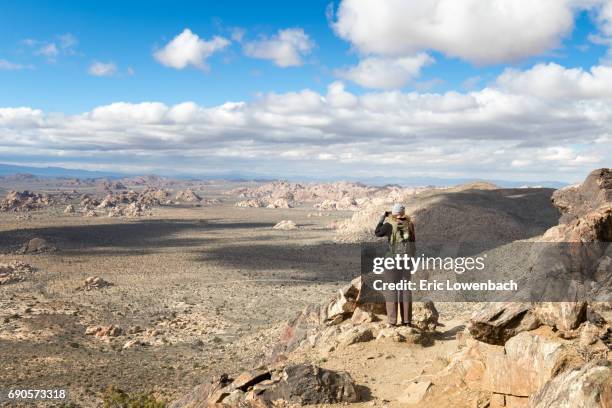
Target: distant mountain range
55, 172
10, 169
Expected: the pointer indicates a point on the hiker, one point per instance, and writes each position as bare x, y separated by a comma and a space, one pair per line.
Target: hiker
399, 230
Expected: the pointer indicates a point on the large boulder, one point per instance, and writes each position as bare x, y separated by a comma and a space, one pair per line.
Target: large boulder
467, 366
562, 315
305, 384
301, 384
495, 323
528, 362
576, 201
36, 245
588, 387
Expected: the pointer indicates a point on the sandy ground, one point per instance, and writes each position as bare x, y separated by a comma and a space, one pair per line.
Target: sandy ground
209, 287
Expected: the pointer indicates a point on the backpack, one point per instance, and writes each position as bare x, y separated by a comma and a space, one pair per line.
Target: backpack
400, 234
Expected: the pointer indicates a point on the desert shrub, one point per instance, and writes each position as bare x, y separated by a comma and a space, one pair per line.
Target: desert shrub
114, 397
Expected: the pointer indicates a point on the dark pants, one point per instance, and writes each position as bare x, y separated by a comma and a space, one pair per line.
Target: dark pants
398, 298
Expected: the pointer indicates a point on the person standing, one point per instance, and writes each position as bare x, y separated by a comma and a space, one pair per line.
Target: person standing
399, 230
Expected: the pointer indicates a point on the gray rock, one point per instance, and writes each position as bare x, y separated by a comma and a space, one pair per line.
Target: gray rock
305, 384
497, 322
576, 201
425, 315
588, 387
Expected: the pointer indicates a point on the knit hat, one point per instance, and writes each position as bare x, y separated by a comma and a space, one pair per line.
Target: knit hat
398, 209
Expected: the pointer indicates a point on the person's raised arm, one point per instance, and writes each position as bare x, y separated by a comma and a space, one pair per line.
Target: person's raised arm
383, 229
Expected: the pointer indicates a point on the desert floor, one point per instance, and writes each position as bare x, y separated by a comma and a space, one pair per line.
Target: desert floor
205, 288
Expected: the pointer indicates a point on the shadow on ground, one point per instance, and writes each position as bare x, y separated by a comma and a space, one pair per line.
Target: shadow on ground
137, 235
317, 262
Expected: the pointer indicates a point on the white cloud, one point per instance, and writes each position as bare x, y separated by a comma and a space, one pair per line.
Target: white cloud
187, 49
48, 50
98, 68
497, 132
479, 31
10, 66
554, 81
286, 49
338, 97
386, 73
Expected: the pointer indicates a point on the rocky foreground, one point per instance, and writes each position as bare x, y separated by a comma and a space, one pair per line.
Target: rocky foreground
546, 354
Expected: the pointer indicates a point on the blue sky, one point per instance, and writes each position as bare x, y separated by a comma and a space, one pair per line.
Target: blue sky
48, 51
128, 32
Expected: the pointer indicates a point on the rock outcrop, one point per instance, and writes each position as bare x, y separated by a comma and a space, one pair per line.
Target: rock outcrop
578, 200
188, 196
301, 384
496, 323
587, 387
24, 201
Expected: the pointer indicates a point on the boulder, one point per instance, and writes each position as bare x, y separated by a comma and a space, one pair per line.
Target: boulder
251, 203
94, 282
285, 225
403, 334
69, 209
495, 323
562, 315
279, 203
425, 315
187, 195
587, 387
575, 201
306, 384
594, 226
343, 304
362, 315
358, 334
301, 384
468, 365
35, 246
589, 334
529, 361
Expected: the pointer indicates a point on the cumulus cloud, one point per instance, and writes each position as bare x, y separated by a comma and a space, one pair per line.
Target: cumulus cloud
386, 73
285, 49
98, 68
188, 48
501, 131
482, 32
555, 81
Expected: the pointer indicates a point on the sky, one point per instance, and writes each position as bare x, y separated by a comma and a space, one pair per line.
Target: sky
497, 89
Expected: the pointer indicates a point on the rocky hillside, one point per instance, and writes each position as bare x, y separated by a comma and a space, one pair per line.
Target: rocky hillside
466, 214
551, 354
